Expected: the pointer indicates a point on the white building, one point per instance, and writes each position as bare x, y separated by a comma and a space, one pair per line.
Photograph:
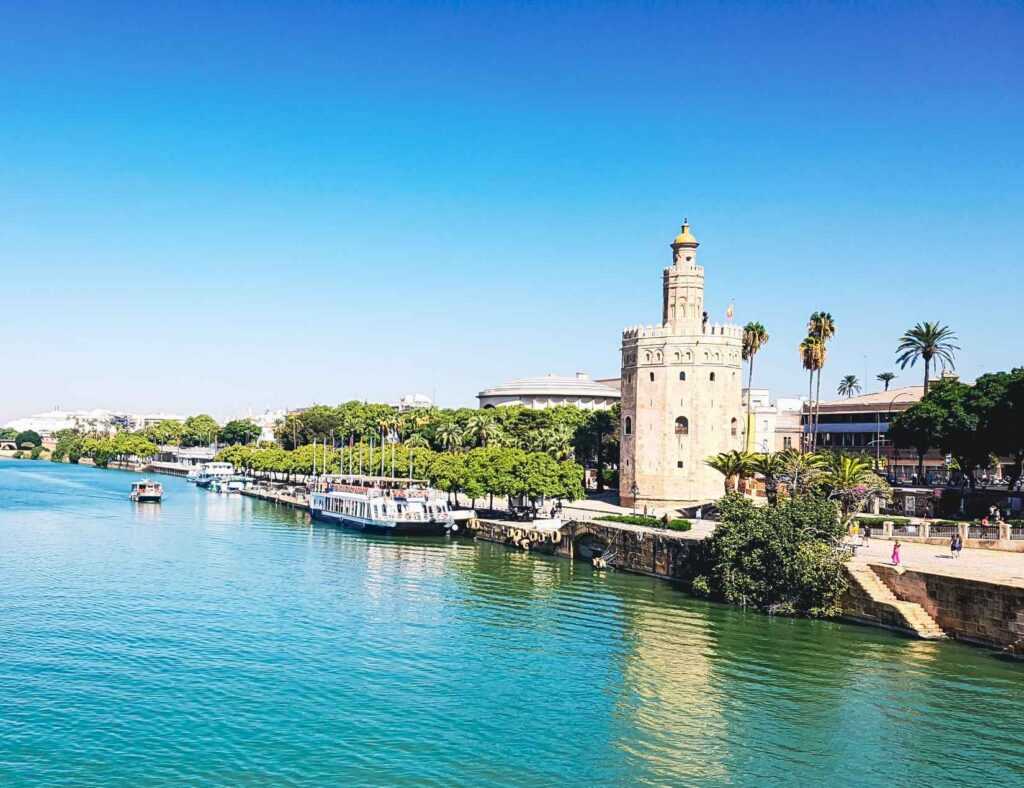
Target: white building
414, 401
775, 425
97, 420
550, 390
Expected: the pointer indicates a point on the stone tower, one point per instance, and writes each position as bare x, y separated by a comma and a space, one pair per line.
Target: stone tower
681, 400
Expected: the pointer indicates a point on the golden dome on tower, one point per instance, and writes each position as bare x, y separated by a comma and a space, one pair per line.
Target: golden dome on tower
685, 237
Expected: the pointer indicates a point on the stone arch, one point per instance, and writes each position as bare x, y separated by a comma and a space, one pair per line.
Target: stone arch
627, 426
647, 357
682, 375
682, 426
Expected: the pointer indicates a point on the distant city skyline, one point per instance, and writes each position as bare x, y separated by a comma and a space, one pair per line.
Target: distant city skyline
218, 208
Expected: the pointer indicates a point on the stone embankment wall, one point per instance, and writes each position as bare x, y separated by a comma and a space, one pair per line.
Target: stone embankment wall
989, 614
646, 551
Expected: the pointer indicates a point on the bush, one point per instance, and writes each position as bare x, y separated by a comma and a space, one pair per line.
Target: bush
18, 455
781, 558
646, 520
879, 520
28, 439
36, 453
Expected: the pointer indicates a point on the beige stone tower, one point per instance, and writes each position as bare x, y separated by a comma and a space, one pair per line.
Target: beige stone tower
681, 396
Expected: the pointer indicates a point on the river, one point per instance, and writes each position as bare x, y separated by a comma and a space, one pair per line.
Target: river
217, 640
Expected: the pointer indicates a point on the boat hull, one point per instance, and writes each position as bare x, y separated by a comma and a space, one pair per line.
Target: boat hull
147, 498
381, 526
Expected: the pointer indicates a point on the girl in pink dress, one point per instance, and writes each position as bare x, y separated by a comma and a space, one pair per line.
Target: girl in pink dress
896, 554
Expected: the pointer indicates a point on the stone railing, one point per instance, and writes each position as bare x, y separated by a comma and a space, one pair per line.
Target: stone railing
1004, 536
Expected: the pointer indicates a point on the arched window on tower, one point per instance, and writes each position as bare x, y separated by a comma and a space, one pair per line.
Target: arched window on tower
682, 375
734, 426
712, 377
628, 426
682, 426
652, 377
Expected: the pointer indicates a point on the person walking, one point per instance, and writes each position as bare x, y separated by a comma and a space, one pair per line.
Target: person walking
958, 545
952, 545
896, 554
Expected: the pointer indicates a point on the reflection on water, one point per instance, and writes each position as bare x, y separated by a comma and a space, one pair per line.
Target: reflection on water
214, 639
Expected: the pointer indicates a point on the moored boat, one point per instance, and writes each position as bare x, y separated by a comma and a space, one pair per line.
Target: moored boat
146, 491
214, 471
379, 504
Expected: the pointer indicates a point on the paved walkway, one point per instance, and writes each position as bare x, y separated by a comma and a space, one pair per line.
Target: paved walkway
992, 566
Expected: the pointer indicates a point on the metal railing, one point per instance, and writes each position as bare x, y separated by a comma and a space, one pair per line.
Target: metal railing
944, 531
1017, 532
983, 532
905, 529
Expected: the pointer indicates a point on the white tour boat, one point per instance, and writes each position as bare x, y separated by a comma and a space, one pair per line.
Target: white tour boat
379, 504
211, 471
146, 491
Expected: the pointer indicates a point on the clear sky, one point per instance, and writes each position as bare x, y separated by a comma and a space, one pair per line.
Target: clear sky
229, 205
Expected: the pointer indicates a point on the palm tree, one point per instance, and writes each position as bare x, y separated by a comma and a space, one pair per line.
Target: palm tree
449, 435
823, 327
886, 378
417, 441
734, 466
848, 386
771, 466
481, 428
851, 481
754, 338
927, 341
801, 470
812, 357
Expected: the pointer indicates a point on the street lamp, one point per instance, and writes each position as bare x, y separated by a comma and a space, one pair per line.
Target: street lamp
878, 425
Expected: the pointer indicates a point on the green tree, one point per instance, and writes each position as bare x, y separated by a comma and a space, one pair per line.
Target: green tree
199, 430
848, 386
812, 357
927, 342
239, 431
28, 439
772, 467
449, 435
781, 559
886, 378
997, 400
851, 482
822, 327
69, 446
755, 336
482, 429
734, 466
918, 427
165, 433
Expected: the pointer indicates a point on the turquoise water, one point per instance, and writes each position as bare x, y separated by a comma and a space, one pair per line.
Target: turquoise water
216, 640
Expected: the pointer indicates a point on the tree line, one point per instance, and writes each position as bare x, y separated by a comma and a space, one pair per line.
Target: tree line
476, 473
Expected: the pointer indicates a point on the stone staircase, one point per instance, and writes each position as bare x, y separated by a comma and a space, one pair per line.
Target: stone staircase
909, 615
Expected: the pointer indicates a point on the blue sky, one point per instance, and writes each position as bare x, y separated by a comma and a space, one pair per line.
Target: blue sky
224, 206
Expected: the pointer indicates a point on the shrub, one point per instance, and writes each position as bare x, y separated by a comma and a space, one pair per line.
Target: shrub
35, 453
781, 558
646, 520
28, 439
18, 455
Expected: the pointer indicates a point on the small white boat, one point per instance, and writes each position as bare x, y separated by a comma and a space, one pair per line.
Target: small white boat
233, 485
146, 491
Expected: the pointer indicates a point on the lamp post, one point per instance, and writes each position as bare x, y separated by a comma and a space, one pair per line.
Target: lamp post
888, 421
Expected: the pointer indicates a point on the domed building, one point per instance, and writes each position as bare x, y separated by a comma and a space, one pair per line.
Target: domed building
550, 390
681, 393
